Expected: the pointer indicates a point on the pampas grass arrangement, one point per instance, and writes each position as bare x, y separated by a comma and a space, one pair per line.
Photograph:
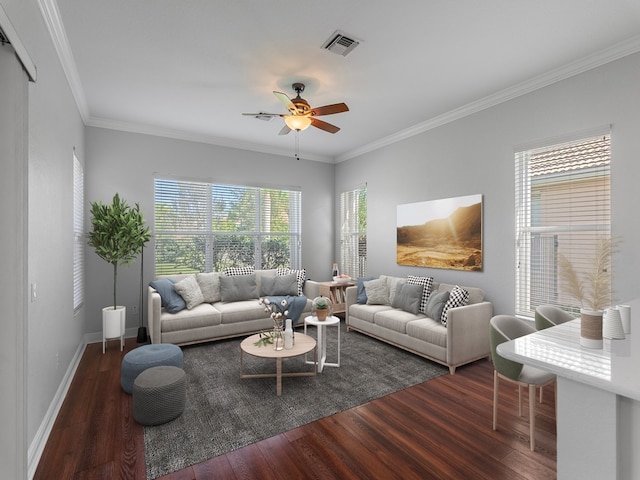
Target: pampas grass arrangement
593, 289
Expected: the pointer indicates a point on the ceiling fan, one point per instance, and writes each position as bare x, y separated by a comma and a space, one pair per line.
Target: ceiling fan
301, 115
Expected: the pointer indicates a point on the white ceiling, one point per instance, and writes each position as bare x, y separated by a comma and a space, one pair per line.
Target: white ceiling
189, 68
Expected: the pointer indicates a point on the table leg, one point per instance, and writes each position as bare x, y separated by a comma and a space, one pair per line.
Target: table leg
279, 376
322, 345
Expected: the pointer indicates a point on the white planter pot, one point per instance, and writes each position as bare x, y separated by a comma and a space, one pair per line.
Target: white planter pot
113, 321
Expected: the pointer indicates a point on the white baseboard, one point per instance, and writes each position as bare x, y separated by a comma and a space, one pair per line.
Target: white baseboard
42, 435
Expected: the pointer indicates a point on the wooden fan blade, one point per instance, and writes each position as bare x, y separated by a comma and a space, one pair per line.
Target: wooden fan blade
330, 109
327, 127
286, 101
284, 130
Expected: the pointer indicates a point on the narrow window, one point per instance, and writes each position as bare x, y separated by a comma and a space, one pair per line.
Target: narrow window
353, 232
78, 234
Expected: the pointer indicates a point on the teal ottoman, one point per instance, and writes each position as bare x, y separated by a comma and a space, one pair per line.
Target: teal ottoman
147, 356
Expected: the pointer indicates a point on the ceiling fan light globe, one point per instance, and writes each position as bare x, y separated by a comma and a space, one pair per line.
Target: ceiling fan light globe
297, 122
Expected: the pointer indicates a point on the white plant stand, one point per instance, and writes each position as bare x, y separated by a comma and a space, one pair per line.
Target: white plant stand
322, 338
113, 321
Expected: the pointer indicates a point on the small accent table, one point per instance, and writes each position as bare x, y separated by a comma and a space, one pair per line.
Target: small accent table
337, 292
303, 345
322, 338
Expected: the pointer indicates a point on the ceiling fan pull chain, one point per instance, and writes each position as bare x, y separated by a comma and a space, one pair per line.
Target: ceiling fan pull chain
297, 145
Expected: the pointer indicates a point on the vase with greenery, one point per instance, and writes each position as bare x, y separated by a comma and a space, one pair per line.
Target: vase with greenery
118, 234
592, 289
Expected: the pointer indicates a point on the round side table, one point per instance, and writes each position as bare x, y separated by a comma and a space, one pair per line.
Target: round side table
322, 325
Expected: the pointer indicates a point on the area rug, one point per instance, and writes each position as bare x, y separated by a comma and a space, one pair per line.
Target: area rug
224, 412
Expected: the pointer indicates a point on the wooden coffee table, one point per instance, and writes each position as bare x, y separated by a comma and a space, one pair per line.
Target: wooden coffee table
303, 344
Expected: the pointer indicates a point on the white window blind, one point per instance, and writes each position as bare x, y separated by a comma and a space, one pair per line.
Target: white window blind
204, 227
353, 232
563, 207
78, 234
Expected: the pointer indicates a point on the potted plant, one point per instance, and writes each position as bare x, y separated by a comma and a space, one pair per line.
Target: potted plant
118, 234
592, 290
321, 307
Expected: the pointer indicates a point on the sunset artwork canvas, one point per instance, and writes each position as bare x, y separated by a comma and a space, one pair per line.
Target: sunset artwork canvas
444, 233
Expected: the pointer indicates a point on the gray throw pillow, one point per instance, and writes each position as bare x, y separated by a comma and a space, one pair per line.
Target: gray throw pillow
407, 297
169, 298
280, 285
210, 286
435, 304
238, 287
189, 290
377, 292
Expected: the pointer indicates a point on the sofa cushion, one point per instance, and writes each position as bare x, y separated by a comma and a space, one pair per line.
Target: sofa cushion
242, 311
428, 330
204, 315
189, 290
435, 304
395, 319
458, 297
238, 287
301, 276
408, 298
427, 283
362, 294
169, 298
280, 285
367, 312
209, 285
377, 292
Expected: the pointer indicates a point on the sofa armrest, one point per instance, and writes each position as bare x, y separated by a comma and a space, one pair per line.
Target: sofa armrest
468, 332
351, 298
154, 309
311, 289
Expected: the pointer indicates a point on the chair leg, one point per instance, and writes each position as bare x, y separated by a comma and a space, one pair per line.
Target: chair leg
532, 416
496, 382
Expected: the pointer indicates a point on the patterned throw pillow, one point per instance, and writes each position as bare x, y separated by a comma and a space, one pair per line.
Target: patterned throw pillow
427, 283
458, 297
301, 276
233, 271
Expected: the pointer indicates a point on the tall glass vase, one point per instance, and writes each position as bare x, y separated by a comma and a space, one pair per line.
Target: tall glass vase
278, 337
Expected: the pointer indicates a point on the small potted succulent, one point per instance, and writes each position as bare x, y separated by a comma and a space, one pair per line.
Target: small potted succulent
321, 307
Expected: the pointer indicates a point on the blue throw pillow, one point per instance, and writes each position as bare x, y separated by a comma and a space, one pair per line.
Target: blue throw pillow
362, 294
169, 298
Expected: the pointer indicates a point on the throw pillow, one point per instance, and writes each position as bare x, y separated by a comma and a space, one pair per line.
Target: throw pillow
392, 285
235, 288
210, 286
301, 276
189, 290
408, 297
458, 297
377, 292
232, 271
427, 283
435, 304
169, 298
280, 285
362, 294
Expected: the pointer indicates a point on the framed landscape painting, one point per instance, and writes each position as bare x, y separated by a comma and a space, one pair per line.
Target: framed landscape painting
444, 233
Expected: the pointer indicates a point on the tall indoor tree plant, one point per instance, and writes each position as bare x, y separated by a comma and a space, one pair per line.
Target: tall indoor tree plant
118, 234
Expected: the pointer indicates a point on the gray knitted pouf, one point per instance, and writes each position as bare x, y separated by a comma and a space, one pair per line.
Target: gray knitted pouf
158, 395
146, 356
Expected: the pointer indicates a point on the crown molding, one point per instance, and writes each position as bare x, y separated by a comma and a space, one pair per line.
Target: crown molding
51, 16
200, 138
597, 59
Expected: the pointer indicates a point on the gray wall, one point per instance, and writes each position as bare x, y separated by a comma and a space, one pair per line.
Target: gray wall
476, 155
127, 163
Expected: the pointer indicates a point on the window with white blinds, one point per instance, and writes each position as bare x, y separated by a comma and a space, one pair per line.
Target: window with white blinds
78, 234
563, 208
205, 227
353, 232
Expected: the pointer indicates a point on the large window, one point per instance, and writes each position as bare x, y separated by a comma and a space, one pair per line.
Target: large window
78, 234
353, 232
563, 208
204, 227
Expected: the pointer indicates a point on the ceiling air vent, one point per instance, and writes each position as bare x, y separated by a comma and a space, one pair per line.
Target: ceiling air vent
339, 43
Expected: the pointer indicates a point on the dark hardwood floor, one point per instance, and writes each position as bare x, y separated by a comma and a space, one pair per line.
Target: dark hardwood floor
440, 429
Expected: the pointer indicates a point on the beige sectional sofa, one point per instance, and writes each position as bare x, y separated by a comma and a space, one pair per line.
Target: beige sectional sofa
210, 317
464, 338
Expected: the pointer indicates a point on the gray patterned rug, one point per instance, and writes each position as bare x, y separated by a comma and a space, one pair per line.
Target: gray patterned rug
223, 412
